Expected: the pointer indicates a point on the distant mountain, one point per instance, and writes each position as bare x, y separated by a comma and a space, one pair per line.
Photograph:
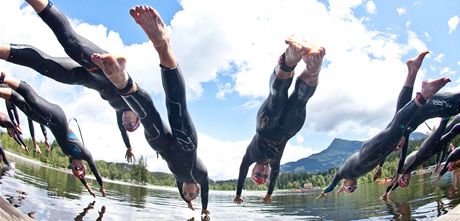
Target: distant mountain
333, 156
417, 136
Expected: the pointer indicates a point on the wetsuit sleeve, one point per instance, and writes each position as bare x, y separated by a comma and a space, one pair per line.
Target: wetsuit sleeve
124, 133
403, 155
92, 166
204, 183
2, 152
179, 187
443, 170
392, 187
451, 134
11, 113
244, 167
6, 123
453, 156
333, 183
275, 169
31, 129
45, 134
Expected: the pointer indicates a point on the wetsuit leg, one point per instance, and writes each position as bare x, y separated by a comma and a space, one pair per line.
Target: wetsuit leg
272, 109
180, 121
39, 109
64, 70
383, 143
295, 113
405, 96
157, 135
77, 47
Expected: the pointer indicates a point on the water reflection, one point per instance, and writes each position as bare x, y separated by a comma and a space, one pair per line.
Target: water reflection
90, 206
54, 195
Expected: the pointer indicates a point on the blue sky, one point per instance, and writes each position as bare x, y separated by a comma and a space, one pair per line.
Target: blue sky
227, 53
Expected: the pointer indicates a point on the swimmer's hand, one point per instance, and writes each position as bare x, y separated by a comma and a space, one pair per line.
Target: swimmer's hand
267, 199
205, 212
378, 173
190, 205
129, 156
238, 199
102, 190
92, 193
47, 145
323, 194
437, 178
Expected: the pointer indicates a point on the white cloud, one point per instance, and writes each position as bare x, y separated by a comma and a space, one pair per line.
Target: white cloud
447, 71
371, 8
453, 23
439, 57
357, 91
401, 11
299, 138
408, 23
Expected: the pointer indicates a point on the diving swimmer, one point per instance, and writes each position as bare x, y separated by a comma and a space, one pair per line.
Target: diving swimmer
178, 145
281, 115
51, 115
77, 69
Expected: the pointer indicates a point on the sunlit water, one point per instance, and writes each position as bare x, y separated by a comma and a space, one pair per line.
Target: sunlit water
54, 195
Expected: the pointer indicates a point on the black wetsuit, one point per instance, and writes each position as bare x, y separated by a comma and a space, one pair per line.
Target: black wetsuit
432, 145
2, 155
440, 105
374, 151
453, 156
51, 115
32, 129
73, 70
5, 122
176, 145
279, 118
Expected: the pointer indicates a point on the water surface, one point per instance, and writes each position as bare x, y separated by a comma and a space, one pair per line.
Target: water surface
55, 195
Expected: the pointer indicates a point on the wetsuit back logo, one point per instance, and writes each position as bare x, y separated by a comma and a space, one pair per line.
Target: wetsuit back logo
441, 103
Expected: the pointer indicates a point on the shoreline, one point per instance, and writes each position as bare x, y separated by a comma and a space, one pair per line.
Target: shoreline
105, 180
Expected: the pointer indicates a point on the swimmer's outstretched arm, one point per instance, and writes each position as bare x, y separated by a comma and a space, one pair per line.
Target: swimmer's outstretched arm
331, 186
244, 167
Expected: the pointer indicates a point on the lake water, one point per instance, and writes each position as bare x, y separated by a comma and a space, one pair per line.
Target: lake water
55, 195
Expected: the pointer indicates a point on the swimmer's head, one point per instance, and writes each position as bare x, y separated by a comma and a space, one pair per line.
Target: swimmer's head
130, 120
260, 173
190, 191
349, 185
78, 169
404, 180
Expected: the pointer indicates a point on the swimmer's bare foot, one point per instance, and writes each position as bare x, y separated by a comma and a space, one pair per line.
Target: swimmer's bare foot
38, 5
297, 48
113, 67
313, 61
150, 21
413, 65
430, 88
